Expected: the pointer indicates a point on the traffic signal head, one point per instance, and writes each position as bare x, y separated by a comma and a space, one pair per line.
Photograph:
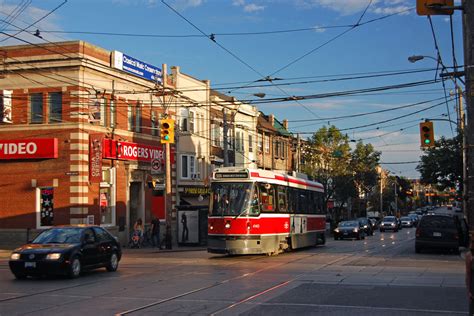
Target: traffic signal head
427, 134
167, 131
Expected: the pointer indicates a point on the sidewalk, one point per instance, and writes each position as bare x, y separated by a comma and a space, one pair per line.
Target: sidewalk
5, 253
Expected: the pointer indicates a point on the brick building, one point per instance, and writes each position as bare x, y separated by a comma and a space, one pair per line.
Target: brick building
78, 139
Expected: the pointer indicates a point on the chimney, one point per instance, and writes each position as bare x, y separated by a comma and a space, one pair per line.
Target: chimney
285, 124
271, 119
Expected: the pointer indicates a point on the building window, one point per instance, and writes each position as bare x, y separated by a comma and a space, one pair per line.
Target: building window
267, 144
103, 112
250, 144
36, 108
113, 113
191, 122
55, 107
239, 141
216, 135
154, 124
260, 142
107, 197
129, 117
138, 118
188, 166
183, 120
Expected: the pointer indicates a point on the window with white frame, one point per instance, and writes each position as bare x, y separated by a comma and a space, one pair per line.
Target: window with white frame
188, 167
216, 135
55, 107
36, 108
260, 142
102, 111
183, 120
129, 117
154, 124
138, 118
267, 144
113, 113
250, 144
191, 122
239, 138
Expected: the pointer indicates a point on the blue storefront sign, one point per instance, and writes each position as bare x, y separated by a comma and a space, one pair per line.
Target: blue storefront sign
136, 67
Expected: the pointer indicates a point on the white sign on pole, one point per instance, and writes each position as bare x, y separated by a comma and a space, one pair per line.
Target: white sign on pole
156, 166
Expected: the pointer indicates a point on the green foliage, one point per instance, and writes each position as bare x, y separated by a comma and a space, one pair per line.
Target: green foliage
344, 174
442, 164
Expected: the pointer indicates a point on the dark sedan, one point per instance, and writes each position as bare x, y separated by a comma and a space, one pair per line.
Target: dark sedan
349, 229
66, 250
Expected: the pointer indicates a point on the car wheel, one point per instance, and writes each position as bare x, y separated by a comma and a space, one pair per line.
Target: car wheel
75, 268
113, 263
19, 276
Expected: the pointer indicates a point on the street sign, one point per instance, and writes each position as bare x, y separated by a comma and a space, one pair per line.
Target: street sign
156, 166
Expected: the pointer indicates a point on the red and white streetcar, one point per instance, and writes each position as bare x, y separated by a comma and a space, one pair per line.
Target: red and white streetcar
255, 211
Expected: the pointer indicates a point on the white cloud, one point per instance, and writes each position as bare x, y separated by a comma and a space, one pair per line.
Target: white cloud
349, 7
186, 4
248, 7
253, 8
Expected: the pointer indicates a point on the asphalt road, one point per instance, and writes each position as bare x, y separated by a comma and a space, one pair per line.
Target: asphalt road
380, 275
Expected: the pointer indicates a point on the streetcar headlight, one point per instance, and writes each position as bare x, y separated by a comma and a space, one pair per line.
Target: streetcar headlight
211, 227
227, 225
15, 256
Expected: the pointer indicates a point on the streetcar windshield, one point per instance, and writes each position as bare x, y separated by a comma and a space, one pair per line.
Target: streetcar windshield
230, 198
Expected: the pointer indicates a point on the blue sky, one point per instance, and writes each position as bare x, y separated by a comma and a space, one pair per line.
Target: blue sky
325, 47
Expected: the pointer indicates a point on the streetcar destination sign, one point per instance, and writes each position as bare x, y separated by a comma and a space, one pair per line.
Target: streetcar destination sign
230, 175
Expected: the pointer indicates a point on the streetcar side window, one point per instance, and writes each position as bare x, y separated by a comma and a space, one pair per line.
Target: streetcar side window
267, 197
282, 199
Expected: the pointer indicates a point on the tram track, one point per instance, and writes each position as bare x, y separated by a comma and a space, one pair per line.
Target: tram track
350, 256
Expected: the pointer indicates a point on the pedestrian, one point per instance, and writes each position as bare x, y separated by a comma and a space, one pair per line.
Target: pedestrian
185, 232
155, 232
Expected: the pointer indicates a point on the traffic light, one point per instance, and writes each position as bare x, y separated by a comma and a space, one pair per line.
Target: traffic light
434, 7
167, 131
427, 134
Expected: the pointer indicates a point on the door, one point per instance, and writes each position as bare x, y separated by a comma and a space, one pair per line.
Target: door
135, 203
90, 250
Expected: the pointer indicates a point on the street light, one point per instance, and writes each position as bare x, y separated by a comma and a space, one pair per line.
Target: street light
454, 74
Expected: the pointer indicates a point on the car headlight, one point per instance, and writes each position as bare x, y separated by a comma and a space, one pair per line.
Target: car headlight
53, 256
393, 224
336, 230
355, 230
15, 256
365, 226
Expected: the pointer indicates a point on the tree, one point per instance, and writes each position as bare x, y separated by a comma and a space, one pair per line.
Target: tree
364, 161
327, 159
442, 164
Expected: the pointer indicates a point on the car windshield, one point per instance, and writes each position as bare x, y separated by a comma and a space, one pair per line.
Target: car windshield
348, 224
389, 219
59, 236
230, 198
406, 219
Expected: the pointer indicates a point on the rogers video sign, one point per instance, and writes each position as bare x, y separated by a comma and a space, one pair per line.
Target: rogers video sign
38, 148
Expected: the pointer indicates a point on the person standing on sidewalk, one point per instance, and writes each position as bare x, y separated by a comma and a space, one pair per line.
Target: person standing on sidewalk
155, 232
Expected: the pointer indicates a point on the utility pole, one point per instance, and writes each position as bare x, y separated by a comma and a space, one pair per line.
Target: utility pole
167, 199
226, 131
468, 29
298, 152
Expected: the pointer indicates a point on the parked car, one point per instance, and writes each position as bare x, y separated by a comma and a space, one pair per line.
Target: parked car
66, 250
406, 221
442, 231
414, 218
366, 226
349, 229
389, 223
